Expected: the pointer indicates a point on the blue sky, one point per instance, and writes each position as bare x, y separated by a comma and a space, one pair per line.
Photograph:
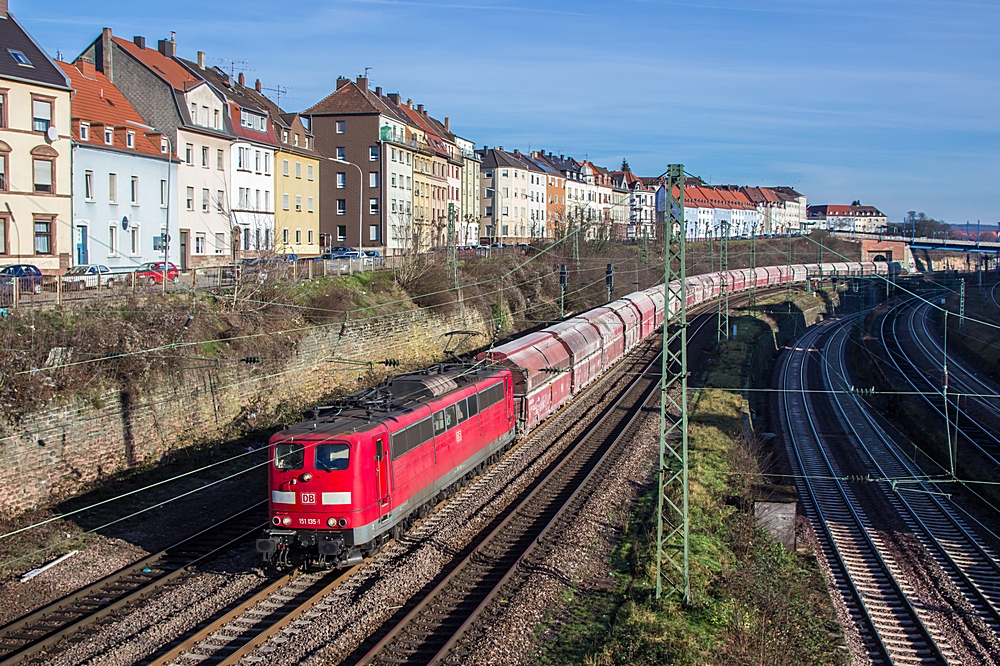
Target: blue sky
893, 103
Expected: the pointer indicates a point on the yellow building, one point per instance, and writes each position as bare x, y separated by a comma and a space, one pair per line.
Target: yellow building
36, 212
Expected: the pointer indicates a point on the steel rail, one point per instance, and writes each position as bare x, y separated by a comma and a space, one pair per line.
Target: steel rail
971, 565
891, 628
42, 629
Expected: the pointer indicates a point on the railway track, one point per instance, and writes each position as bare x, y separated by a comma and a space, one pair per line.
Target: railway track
31, 637
866, 577
932, 518
905, 328
434, 631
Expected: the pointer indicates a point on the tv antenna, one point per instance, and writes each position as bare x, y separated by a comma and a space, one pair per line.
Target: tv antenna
278, 91
233, 64
367, 69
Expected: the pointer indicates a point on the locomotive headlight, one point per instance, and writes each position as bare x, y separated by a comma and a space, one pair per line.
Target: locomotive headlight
332, 522
286, 521
307, 477
276, 520
342, 522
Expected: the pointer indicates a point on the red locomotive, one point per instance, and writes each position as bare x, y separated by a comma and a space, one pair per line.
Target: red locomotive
358, 473
363, 469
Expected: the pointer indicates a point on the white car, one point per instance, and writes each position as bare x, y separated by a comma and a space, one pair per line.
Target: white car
89, 276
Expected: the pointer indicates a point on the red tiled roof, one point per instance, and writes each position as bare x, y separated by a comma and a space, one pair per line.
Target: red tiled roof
168, 69
97, 101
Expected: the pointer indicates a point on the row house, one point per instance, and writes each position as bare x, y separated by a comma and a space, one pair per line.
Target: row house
296, 174
35, 153
469, 193
196, 123
250, 197
534, 194
555, 196
851, 219
123, 176
641, 205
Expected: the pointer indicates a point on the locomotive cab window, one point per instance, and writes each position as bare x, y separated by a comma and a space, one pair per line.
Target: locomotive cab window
289, 456
332, 457
460, 411
450, 419
473, 403
439, 425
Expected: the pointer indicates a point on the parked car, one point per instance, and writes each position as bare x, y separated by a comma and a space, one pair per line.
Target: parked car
88, 276
340, 248
344, 254
29, 278
152, 272
373, 257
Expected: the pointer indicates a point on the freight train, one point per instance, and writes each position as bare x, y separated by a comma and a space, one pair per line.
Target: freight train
363, 469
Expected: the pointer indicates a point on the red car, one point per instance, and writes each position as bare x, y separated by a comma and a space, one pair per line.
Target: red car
152, 273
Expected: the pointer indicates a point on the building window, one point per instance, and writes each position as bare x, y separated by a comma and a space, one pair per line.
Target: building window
246, 238
267, 201
284, 235
373, 179
309, 236
204, 116
220, 243
373, 153
373, 206
298, 169
220, 160
298, 203
43, 236
341, 153
298, 237
284, 137
134, 241
340, 127
134, 190
373, 232
112, 239
189, 154
199, 243
392, 179
341, 232
109, 136
341, 206
216, 120
41, 112
284, 167
88, 185
204, 201
163, 194
309, 204
130, 139
309, 172
341, 180
267, 164
295, 139
163, 145
20, 58
256, 200
190, 198
84, 132
284, 203
113, 188
256, 162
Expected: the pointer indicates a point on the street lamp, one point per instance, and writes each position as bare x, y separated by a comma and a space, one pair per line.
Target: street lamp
496, 208
361, 199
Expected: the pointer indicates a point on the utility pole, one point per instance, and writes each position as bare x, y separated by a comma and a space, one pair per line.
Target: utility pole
961, 305
788, 286
722, 335
944, 394
753, 269
672, 523
562, 292
452, 249
609, 280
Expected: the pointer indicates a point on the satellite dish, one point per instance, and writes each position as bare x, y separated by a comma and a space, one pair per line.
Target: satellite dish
52, 133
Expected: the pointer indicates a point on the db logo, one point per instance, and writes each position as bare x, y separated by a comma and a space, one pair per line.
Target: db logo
458, 435
308, 498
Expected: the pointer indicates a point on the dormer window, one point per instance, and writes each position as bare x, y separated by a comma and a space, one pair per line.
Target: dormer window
164, 145
109, 136
130, 139
296, 140
84, 131
254, 121
284, 136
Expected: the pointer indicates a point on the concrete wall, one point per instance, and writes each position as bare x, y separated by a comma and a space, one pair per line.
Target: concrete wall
51, 453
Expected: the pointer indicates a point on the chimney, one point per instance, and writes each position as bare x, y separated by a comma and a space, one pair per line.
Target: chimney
378, 91
3, 8
500, 149
168, 48
362, 82
201, 60
341, 82
420, 108
139, 41
107, 64
447, 123
256, 85
394, 97
240, 79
